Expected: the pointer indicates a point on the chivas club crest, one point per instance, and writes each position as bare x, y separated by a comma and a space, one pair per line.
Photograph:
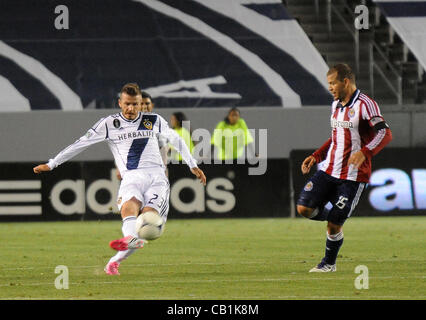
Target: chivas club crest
147, 124
351, 113
309, 186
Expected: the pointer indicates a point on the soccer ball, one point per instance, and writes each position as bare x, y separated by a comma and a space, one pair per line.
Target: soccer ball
149, 226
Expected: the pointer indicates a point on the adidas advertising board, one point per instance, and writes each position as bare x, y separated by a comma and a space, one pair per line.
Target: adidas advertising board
88, 191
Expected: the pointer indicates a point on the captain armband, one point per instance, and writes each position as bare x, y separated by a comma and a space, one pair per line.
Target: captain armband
378, 123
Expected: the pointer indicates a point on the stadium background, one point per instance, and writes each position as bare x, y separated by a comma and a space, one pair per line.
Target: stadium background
199, 57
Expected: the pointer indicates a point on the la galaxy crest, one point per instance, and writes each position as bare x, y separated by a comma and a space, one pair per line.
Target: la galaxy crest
147, 124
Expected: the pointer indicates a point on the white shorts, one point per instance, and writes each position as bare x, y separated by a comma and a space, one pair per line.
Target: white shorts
149, 185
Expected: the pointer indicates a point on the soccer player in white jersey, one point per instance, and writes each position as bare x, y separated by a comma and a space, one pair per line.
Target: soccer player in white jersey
132, 138
147, 105
358, 132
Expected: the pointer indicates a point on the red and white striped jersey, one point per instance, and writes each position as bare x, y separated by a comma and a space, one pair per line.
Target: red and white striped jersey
352, 129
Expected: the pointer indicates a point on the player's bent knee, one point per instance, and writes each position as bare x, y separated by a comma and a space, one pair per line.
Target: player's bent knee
130, 208
333, 228
128, 211
304, 211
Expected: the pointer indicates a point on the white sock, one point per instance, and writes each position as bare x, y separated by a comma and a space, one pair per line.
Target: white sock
128, 229
129, 226
122, 255
335, 237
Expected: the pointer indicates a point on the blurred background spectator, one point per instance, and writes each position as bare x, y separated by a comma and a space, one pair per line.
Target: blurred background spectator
176, 122
230, 137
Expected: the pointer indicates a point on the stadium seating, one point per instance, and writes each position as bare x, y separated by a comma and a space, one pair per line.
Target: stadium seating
188, 53
408, 20
398, 74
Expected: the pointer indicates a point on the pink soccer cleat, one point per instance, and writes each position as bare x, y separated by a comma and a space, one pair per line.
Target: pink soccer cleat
112, 268
126, 243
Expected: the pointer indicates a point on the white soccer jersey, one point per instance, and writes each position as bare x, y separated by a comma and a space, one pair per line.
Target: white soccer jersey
133, 143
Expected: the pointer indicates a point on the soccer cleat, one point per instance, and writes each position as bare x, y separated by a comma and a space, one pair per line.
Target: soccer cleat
112, 268
126, 243
324, 267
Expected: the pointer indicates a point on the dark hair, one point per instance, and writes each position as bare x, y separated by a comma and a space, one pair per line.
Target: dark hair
132, 89
146, 95
229, 112
343, 71
180, 117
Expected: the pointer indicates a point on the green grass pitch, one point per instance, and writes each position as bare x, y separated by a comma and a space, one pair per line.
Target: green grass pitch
216, 259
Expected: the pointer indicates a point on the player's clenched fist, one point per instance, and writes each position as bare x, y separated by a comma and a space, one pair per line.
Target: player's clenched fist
41, 168
307, 164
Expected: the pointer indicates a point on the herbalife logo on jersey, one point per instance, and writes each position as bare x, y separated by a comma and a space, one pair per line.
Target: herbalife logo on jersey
341, 124
136, 134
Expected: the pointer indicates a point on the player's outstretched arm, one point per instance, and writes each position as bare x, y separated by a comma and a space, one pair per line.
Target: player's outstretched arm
321, 153
41, 168
94, 135
318, 156
307, 164
199, 174
178, 143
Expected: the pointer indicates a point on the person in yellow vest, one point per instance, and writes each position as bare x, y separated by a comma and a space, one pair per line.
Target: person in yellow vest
231, 136
176, 123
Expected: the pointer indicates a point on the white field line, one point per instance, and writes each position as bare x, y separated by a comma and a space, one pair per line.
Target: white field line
311, 260
139, 265
51, 283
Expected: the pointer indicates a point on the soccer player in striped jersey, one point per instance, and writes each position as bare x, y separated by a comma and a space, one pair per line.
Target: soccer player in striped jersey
358, 132
133, 139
